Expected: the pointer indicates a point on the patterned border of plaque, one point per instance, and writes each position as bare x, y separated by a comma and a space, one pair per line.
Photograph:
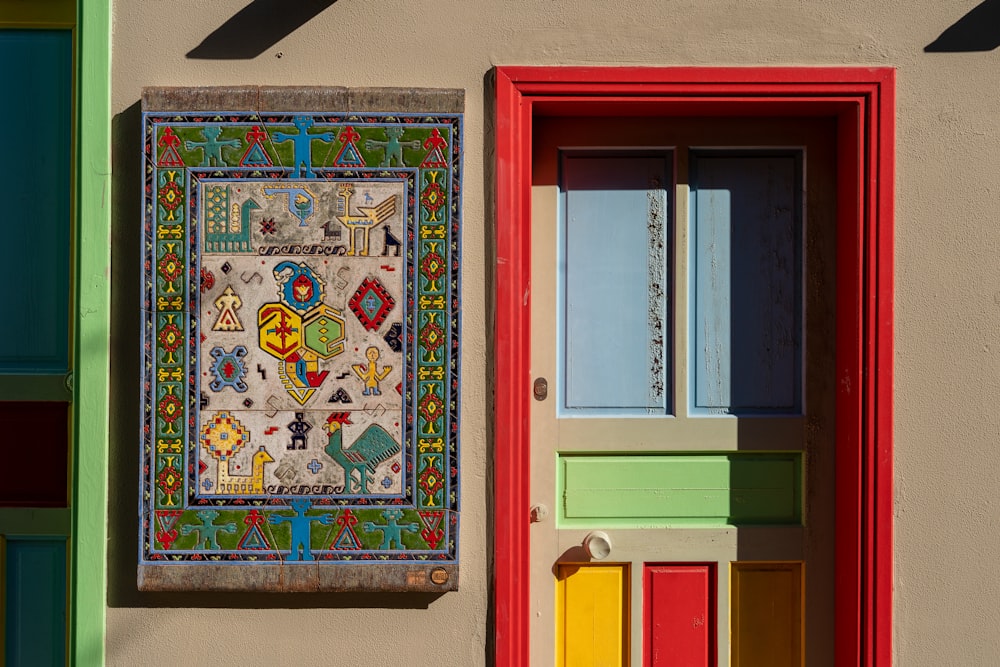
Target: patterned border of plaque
300, 344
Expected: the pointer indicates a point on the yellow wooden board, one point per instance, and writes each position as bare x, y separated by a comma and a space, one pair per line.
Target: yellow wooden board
37, 13
592, 615
766, 614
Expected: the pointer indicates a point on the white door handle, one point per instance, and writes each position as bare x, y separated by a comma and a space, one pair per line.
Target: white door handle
597, 544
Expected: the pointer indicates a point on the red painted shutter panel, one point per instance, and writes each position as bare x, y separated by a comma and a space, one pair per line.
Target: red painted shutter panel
679, 615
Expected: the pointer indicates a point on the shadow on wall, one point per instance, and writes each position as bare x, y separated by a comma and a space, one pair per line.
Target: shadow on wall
489, 290
123, 527
256, 28
976, 31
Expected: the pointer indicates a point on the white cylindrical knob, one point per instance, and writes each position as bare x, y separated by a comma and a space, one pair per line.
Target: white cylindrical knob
597, 544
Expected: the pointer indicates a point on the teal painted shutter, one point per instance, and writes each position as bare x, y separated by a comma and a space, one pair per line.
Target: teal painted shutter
35, 584
37, 82
36, 177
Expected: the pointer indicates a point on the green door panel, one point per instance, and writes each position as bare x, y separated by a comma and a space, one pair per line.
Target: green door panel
680, 489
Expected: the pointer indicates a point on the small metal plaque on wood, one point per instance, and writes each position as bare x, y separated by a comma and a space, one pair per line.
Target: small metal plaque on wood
300, 340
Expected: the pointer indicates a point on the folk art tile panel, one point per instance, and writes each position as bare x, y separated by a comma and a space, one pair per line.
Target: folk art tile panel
300, 351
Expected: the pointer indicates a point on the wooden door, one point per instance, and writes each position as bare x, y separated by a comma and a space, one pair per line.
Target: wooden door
37, 47
682, 427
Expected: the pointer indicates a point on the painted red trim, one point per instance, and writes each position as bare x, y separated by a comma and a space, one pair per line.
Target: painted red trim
884, 251
511, 453
849, 464
567, 80
863, 100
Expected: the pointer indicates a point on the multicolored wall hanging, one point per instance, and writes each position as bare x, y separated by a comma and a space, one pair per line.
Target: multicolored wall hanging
300, 340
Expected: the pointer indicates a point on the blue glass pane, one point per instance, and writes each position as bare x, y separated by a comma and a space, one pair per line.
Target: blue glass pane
35, 182
747, 253
613, 310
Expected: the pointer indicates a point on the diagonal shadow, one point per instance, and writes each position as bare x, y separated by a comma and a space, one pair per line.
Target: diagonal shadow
979, 30
256, 28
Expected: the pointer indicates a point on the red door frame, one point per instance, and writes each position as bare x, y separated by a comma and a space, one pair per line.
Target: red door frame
863, 102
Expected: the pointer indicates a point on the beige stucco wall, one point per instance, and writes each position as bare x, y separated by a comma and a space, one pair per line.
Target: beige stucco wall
947, 604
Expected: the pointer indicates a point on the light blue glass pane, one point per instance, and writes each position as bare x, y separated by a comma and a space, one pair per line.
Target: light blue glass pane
747, 314
35, 601
35, 178
613, 296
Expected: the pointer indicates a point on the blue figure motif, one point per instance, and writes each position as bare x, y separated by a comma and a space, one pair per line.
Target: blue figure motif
212, 147
301, 527
392, 532
208, 530
393, 146
302, 145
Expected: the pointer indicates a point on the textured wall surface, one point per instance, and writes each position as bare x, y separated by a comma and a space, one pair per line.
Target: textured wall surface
947, 286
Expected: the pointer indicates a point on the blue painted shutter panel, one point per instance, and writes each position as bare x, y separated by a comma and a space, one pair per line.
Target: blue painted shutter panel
36, 184
613, 277
747, 255
35, 178
35, 602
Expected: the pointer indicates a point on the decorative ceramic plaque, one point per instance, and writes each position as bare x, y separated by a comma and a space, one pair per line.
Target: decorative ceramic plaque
300, 350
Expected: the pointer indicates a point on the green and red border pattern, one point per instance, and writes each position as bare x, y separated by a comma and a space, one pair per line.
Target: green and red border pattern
170, 293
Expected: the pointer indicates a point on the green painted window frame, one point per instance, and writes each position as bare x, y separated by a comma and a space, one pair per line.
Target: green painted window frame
91, 402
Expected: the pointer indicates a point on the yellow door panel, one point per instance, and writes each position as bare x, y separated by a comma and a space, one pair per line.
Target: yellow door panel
766, 614
593, 617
